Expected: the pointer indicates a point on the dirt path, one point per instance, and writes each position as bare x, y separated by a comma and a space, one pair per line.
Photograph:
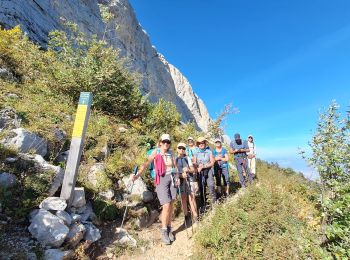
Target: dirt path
181, 248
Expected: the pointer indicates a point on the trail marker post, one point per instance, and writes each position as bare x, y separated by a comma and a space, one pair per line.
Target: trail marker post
76, 146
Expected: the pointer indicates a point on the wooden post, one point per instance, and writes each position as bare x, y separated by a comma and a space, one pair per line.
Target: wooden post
76, 147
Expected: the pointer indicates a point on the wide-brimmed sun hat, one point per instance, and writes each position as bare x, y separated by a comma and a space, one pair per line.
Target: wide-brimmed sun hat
201, 140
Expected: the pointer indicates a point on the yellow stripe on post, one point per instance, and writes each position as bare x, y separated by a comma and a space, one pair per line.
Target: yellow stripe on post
79, 121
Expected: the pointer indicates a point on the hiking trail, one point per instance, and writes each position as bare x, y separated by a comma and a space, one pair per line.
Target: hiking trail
181, 248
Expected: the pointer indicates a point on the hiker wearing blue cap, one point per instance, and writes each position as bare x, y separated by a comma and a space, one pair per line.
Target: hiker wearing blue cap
239, 149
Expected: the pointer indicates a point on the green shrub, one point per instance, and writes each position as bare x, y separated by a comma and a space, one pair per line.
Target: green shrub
162, 118
331, 157
106, 210
81, 65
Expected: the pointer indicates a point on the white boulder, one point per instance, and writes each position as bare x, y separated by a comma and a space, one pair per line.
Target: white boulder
48, 229
25, 141
67, 219
53, 203
56, 254
124, 238
136, 188
108, 194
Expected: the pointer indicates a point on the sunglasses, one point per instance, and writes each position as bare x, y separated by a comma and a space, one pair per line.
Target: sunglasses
202, 143
181, 148
166, 142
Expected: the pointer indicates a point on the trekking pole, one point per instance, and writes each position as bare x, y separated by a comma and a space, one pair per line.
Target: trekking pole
182, 206
132, 186
187, 185
204, 195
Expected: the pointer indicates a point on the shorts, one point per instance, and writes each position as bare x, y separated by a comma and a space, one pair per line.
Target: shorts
189, 187
166, 191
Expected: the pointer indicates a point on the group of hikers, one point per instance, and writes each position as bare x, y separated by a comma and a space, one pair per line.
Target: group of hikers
195, 169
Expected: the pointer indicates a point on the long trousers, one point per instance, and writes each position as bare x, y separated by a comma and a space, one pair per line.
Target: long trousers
242, 164
206, 179
252, 165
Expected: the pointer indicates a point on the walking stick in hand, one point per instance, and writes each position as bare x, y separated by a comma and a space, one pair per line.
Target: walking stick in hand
188, 186
182, 206
132, 186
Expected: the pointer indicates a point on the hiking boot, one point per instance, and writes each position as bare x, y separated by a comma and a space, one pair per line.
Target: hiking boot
188, 221
165, 236
170, 234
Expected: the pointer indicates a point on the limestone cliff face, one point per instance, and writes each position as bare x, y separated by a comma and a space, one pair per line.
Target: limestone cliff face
159, 78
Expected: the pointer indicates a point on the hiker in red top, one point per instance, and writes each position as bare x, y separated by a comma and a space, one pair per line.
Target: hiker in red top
167, 179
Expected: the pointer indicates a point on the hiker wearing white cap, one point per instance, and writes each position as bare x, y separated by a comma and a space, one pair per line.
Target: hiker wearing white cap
166, 178
205, 161
188, 183
239, 149
221, 167
252, 155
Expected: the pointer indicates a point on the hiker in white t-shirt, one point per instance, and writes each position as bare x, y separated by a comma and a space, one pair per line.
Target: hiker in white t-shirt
252, 155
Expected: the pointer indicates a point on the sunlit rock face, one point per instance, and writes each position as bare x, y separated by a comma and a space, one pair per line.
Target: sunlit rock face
159, 78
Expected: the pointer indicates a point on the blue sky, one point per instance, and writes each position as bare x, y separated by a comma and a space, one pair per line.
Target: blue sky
279, 62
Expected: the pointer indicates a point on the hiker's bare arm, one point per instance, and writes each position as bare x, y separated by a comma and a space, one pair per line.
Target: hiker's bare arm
211, 163
233, 151
225, 159
145, 165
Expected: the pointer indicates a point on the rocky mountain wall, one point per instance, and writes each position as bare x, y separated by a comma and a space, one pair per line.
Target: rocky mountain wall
160, 79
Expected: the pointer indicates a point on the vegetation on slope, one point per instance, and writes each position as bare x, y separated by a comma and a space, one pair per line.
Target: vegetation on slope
276, 218
47, 84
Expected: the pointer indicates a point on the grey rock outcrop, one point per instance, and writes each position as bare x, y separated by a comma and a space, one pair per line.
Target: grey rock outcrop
92, 233
123, 238
48, 229
26, 161
138, 188
6, 74
7, 180
25, 142
75, 235
79, 197
160, 79
9, 119
56, 254
67, 219
95, 171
